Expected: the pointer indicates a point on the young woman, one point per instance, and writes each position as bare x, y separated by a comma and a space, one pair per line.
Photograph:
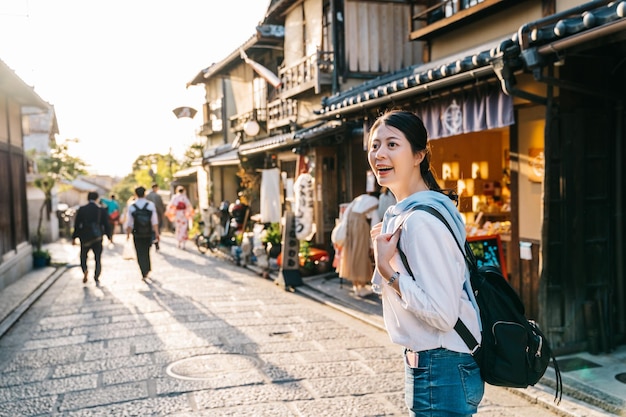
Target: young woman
421, 304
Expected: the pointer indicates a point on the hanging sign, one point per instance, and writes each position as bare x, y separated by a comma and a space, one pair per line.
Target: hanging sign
303, 207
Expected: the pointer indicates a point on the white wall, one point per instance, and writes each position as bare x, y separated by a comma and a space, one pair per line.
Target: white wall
531, 127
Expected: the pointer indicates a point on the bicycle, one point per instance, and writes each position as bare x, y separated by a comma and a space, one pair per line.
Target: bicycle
210, 236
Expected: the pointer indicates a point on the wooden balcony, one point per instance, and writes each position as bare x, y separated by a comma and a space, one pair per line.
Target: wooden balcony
237, 121
431, 18
281, 113
205, 129
310, 72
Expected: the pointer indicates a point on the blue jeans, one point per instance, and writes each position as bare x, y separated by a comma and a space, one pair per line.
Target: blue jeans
444, 384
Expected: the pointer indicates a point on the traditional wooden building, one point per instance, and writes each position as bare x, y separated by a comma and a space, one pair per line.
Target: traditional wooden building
15, 247
311, 49
523, 103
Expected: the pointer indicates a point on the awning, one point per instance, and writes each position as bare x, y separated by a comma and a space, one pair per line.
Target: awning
268, 144
187, 172
227, 158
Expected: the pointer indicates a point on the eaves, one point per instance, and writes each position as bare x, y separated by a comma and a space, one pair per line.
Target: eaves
468, 66
266, 36
14, 87
267, 144
215, 68
534, 46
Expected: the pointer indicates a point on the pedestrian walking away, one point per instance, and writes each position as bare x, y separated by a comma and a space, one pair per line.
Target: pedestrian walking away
143, 223
355, 256
90, 225
160, 208
156, 198
113, 211
420, 311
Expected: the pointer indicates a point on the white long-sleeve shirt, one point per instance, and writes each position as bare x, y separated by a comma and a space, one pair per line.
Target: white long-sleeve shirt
141, 202
424, 317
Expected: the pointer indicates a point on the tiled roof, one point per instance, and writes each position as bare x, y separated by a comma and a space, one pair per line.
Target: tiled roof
15, 87
227, 158
266, 144
419, 77
319, 129
523, 49
265, 35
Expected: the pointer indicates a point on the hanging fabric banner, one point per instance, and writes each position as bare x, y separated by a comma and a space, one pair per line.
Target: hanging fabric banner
270, 196
481, 108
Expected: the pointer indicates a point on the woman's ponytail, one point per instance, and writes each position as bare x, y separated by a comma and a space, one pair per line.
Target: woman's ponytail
431, 181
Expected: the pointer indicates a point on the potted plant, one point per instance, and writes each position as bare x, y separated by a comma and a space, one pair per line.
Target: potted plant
41, 258
272, 237
307, 265
52, 167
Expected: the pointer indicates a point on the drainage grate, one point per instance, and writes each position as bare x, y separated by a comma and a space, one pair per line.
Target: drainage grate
621, 377
576, 364
203, 367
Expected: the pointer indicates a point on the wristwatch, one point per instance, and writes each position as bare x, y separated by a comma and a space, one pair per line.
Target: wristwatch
394, 277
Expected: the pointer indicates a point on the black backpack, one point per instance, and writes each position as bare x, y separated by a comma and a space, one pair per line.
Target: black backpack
142, 223
513, 352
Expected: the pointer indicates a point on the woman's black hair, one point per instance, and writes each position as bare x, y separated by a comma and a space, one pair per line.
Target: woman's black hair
415, 132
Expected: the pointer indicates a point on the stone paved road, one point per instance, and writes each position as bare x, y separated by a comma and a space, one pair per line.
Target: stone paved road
201, 338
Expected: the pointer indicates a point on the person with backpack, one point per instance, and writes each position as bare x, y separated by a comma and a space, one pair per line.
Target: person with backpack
422, 305
142, 221
113, 211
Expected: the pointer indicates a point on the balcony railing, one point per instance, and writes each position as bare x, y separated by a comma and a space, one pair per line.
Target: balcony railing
310, 72
281, 113
431, 17
205, 129
237, 121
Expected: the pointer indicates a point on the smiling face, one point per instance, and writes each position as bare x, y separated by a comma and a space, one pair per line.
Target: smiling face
393, 161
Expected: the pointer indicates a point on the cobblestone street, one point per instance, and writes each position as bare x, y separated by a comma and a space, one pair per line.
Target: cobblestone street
202, 337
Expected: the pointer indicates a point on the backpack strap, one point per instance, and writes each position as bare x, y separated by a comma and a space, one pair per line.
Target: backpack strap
459, 326
137, 207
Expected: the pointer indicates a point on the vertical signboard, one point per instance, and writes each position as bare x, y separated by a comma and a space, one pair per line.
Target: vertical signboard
289, 273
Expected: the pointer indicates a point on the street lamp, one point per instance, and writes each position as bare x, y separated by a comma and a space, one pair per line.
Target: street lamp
251, 128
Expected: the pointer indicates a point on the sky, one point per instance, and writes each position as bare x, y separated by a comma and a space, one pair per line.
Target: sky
114, 70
